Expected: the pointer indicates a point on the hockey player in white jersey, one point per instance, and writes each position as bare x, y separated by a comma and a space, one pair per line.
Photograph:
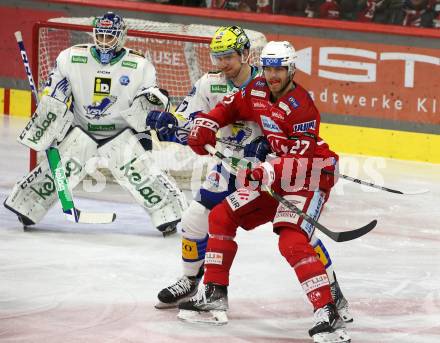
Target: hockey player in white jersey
230, 53
111, 89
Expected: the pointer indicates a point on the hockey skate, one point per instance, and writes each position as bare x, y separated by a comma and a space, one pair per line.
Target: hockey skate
168, 229
209, 306
340, 302
180, 291
329, 327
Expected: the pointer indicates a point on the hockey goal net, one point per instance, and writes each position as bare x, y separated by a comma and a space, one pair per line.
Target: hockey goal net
180, 54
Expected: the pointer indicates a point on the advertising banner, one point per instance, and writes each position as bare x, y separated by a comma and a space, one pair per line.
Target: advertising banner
371, 80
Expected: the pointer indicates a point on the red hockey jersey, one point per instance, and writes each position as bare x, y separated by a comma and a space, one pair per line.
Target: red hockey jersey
288, 123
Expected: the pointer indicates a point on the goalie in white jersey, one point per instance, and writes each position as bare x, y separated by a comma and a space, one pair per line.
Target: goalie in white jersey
111, 89
230, 48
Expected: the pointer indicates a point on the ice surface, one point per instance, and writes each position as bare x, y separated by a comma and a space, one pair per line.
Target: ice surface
65, 282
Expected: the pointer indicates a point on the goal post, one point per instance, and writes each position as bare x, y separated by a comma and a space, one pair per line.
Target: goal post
180, 54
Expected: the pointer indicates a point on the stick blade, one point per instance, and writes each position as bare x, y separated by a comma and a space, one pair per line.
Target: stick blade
417, 192
81, 217
350, 235
95, 217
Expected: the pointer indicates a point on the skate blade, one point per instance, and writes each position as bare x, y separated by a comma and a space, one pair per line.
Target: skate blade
206, 317
163, 306
337, 336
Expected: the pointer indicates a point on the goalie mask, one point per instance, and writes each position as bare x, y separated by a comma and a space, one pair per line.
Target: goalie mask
228, 39
279, 54
109, 32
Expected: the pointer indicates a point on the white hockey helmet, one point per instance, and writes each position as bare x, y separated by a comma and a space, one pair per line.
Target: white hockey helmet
279, 54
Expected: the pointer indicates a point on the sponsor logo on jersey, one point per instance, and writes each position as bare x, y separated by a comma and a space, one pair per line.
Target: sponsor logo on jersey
129, 64
303, 127
79, 59
241, 197
258, 104
284, 107
286, 215
214, 178
260, 84
102, 86
124, 80
293, 102
269, 124
98, 127
277, 114
258, 93
219, 89
103, 72
98, 108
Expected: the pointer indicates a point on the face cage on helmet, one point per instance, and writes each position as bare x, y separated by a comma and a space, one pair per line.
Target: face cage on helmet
115, 34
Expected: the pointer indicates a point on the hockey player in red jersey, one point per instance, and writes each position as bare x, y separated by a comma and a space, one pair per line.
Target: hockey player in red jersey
290, 121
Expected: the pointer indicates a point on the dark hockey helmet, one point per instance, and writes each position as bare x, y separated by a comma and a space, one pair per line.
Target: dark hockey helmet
109, 33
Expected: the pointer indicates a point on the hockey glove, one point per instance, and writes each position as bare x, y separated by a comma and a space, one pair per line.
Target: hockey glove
164, 123
261, 175
202, 133
257, 149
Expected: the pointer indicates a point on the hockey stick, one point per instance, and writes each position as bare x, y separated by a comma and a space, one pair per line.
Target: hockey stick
373, 185
56, 167
220, 140
236, 163
342, 176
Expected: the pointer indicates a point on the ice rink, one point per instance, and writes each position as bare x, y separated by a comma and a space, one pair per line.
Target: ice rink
65, 282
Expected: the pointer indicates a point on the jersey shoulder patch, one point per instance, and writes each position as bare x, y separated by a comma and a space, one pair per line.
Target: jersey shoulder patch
136, 53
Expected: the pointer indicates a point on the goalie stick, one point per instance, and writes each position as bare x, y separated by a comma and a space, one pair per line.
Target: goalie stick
53, 156
236, 163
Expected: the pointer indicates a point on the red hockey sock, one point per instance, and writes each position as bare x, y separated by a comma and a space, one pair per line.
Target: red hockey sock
218, 260
310, 271
221, 248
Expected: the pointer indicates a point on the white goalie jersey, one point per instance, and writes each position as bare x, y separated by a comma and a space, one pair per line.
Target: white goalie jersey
207, 92
99, 92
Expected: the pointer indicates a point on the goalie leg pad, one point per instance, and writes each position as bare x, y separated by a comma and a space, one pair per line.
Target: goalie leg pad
134, 169
49, 123
33, 196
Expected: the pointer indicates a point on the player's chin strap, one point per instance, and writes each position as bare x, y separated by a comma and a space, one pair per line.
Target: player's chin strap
236, 163
56, 166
